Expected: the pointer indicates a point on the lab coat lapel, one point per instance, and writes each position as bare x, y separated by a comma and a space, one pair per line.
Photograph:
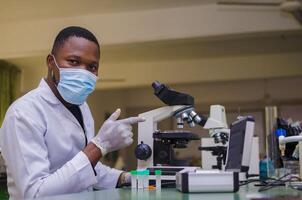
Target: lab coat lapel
72, 117
84, 118
49, 96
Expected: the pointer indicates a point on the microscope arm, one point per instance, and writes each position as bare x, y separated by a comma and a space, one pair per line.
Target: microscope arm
297, 138
283, 140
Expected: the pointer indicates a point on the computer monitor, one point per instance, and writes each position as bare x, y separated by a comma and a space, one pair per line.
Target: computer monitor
240, 145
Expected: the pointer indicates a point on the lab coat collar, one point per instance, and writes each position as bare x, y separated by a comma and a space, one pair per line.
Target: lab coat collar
47, 93
50, 97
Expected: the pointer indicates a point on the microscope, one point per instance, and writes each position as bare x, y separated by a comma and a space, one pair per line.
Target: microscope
155, 147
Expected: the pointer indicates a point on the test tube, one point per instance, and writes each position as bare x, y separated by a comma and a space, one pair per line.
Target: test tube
158, 179
146, 179
133, 179
140, 179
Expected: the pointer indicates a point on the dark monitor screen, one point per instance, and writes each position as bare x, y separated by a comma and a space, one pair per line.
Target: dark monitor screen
236, 145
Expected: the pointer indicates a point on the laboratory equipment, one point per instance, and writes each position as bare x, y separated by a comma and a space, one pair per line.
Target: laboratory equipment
133, 179
180, 106
158, 179
237, 154
155, 148
214, 156
272, 151
290, 130
283, 140
207, 181
289, 144
146, 179
140, 179
240, 144
219, 152
237, 163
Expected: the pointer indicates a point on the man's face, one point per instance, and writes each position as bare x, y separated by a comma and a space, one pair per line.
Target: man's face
76, 52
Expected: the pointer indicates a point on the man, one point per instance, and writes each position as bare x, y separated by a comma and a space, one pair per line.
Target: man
47, 137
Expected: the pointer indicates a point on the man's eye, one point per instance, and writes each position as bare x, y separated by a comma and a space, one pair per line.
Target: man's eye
74, 62
93, 67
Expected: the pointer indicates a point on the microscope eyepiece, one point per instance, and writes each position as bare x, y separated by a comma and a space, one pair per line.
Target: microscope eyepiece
157, 86
190, 121
171, 97
184, 116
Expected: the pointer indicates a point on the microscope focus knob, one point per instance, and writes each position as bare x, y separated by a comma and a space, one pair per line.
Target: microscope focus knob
143, 151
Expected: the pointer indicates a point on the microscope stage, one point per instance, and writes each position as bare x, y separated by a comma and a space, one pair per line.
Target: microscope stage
176, 135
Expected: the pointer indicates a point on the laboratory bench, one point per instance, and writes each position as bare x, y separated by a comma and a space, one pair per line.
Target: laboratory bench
245, 192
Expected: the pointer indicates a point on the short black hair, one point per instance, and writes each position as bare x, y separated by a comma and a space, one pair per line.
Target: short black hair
73, 31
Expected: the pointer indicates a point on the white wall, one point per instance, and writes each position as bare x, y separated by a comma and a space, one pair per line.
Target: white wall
206, 20
185, 61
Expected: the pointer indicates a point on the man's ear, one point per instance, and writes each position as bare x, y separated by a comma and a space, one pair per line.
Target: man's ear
49, 65
49, 61
53, 72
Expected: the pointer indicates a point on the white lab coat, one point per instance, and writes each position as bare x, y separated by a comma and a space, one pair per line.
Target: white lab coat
41, 144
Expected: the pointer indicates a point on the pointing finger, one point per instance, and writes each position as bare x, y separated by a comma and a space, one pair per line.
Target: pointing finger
114, 116
132, 120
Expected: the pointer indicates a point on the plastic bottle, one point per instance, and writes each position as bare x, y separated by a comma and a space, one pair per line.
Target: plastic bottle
263, 169
158, 179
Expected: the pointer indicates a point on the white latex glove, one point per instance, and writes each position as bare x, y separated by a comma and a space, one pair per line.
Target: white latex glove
115, 134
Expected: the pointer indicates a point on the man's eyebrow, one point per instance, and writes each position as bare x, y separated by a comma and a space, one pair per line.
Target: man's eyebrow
73, 56
80, 58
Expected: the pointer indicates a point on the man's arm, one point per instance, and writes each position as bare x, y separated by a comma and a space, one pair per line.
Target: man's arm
93, 153
107, 177
26, 157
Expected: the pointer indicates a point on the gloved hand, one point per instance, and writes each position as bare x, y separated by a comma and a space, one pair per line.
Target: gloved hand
128, 177
115, 134
124, 180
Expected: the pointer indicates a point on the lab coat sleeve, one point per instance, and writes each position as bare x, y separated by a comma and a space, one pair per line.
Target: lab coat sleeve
106, 177
25, 153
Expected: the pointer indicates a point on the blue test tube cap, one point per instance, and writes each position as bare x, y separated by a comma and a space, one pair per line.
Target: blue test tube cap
280, 132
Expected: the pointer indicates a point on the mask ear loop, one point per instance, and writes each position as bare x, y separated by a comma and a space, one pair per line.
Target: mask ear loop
52, 75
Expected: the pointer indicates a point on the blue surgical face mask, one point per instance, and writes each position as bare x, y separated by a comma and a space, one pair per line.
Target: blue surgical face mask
75, 84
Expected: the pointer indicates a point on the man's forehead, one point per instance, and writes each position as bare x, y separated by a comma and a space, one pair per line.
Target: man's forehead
78, 42
74, 43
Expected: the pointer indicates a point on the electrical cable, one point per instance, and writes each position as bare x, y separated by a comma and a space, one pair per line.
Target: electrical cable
277, 182
248, 182
252, 175
274, 182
